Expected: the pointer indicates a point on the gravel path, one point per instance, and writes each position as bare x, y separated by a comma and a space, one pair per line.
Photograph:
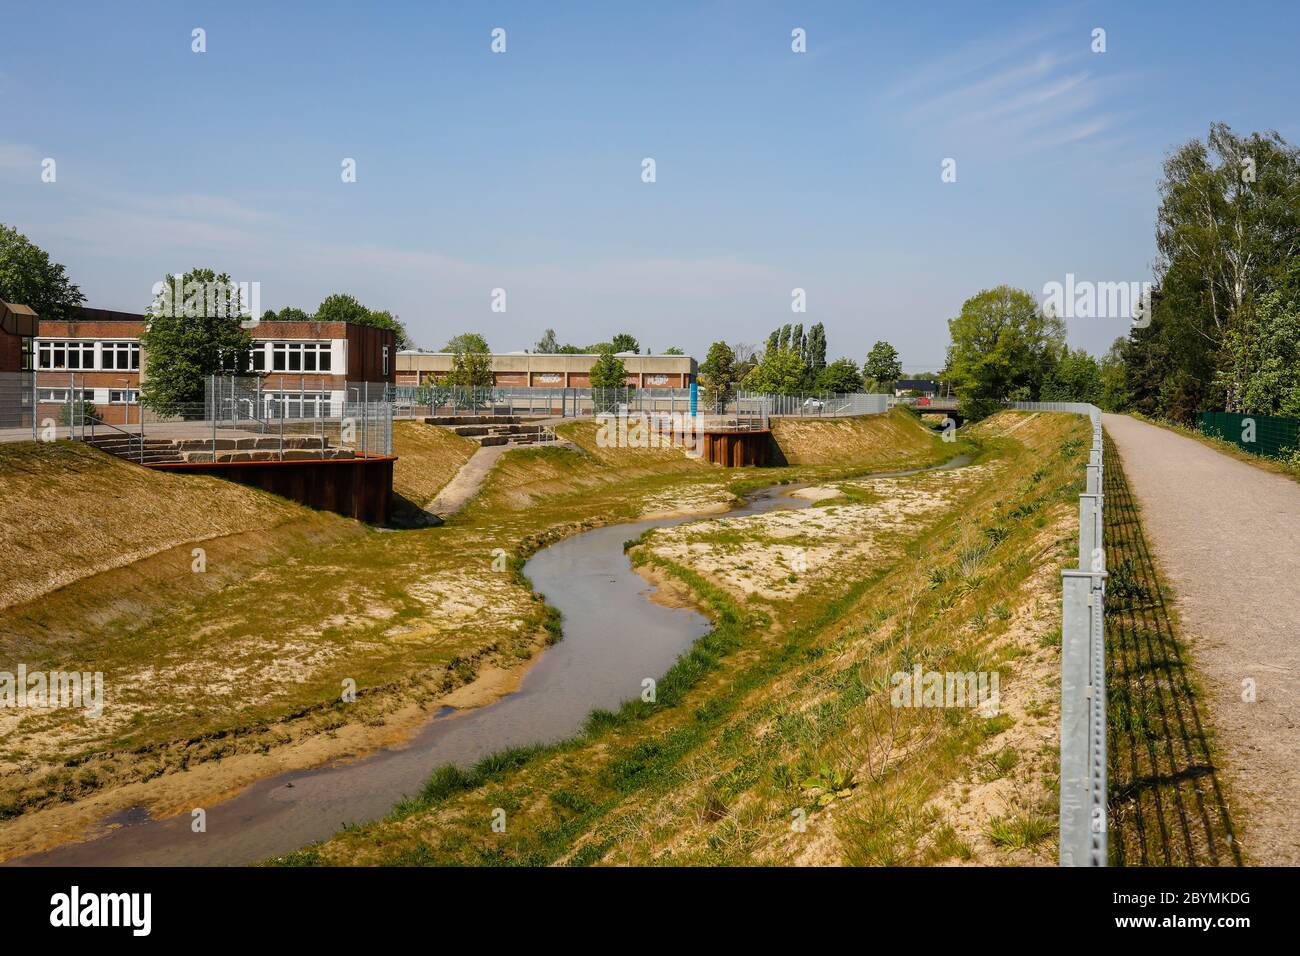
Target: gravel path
465, 484
1227, 536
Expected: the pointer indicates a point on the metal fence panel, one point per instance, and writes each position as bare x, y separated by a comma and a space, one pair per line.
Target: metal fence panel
1083, 781
817, 404
1270, 436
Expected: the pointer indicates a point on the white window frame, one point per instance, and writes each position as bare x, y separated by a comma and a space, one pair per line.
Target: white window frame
59, 396
116, 349
317, 354
296, 405
90, 355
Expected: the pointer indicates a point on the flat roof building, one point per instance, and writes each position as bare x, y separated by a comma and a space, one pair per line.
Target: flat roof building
98, 357
553, 370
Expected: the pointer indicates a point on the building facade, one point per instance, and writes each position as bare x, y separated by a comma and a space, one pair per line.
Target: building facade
538, 370
97, 358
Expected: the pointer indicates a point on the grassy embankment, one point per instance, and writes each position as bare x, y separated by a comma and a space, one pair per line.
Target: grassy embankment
242, 666
773, 739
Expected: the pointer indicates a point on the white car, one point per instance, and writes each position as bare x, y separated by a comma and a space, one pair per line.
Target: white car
814, 405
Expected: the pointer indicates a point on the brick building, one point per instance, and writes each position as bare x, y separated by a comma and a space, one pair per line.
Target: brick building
538, 370
97, 357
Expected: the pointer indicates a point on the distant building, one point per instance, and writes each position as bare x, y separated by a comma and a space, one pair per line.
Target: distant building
97, 358
927, 388
545, 370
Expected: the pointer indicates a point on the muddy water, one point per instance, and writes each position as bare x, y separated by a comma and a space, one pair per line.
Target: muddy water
614, 637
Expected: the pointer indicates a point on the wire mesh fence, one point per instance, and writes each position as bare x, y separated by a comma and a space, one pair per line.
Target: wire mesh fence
817, 404
1269, 436
1083, 806
238, 419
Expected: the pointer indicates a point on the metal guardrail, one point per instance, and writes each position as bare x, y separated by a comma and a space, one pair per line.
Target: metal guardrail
1084, 839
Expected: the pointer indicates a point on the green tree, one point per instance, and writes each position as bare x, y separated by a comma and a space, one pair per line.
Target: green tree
1262, 359
1227, 233
673, 350
817, 350
746, 358
548, 344
1114, 379
781, 372
28, 277
387, 320
1003, 346
882, 367
287, 314
1075, 378
840, 376
467, 342
190, 340
608, 371
718, 373
625, 342
341, 307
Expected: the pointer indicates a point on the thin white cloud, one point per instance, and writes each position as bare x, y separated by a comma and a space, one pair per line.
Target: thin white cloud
1014, 90
19, 161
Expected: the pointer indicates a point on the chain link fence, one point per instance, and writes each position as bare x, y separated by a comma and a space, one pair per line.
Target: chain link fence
1084, 840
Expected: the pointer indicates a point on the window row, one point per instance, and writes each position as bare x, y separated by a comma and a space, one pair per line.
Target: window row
116, 396
293, 357
296, 405
88, 356
63, 395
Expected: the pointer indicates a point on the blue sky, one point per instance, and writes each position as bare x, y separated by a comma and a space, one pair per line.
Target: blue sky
522, 170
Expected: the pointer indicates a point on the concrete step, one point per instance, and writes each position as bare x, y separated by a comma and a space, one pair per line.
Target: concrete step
470, 431
448, 421
514, 438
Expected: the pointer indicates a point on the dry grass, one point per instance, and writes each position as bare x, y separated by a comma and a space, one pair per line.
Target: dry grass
836, 441
782, 715
69, 512
427, 458
247, 658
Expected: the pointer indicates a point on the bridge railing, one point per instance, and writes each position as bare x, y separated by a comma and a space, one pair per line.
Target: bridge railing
1084, 840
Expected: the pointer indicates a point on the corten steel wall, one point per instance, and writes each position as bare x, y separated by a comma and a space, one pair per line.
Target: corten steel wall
354, 487
737, 449
365, 354
1274, 436
11, 352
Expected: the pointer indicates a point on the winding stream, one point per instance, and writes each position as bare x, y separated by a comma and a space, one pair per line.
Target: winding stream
614, 637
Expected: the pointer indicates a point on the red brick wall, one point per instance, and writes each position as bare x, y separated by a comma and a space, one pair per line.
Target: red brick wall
298, 330
92, 329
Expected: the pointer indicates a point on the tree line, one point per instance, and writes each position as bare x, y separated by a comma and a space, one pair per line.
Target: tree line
1222, 329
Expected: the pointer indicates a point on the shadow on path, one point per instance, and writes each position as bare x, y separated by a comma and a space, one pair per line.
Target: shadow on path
1167, 807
